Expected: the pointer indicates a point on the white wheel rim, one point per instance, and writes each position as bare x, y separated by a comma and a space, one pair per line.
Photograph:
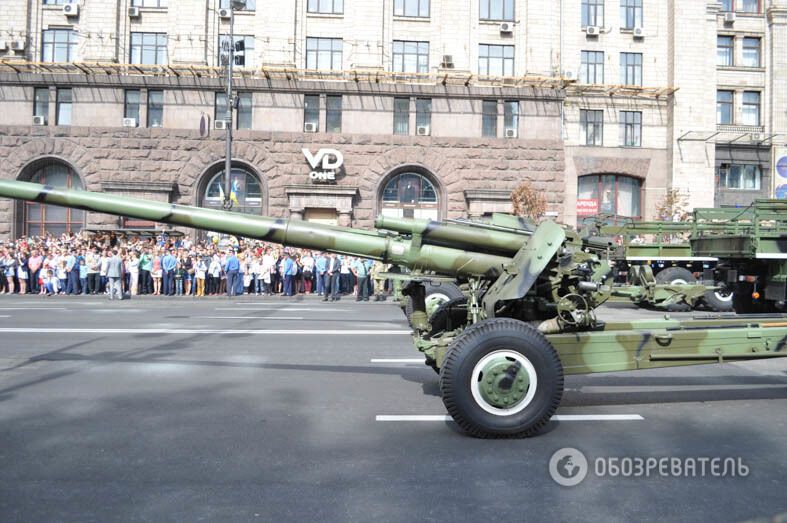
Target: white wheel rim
723, 297
526, 366
434, 300
679, 282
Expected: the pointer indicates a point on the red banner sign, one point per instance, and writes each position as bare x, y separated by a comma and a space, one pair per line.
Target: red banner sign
588, 207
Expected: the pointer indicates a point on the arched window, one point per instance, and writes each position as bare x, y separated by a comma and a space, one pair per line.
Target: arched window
612, 194
39, 219
246, 192
410, 195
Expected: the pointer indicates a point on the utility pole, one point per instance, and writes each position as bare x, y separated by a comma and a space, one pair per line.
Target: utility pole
235, 5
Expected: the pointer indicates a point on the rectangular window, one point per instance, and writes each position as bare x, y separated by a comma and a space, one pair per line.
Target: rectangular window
727, 5
750, 6
631, 128
41, 103
244, 111
333, 7
333, 114
592, 13
59, 45
324, 54
251, 5
497, 10
418, 8
149, 48
630, 14
742, 177
220, 107
591, 69
155, 108
751, 52
131, 105
496, 60
423, 112
149, 3
511, 115
244, 50
63, 107
591, 124
410, 57
489, 124
751, 108
311, 111
401, 124
631, 68
724, 106
725, 51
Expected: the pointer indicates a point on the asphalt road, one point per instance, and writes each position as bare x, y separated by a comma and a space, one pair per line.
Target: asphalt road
173, 410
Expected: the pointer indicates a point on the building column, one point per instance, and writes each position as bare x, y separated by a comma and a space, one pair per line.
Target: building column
345, 218
296, 214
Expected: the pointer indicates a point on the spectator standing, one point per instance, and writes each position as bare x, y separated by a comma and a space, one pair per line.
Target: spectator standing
114, 275
214, 275
145, 268
156, 273
200, 271
168, 265
231, 268
22, 272
34, 264
93, 261
133, 270
83, 275
179, 274
360, 270
307, 264
103, 271
289, 271
319, 268
332, 274
72, 273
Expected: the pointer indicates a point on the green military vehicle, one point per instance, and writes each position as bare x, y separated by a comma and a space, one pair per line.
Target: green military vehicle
740, 251
528, 317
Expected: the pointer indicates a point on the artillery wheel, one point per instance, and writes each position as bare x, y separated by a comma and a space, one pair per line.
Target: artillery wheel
719, 300
501, 379
435, 296
675, 276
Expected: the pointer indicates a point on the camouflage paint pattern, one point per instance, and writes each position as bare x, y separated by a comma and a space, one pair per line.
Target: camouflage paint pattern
295, 233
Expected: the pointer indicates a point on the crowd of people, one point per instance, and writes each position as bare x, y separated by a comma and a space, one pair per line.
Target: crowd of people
107, 263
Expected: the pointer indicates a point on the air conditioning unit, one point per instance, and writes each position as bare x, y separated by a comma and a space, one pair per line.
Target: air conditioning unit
448, 62
639, 32
133, 12
71, 9
225, 13
18, 45
220, 125
506, 28
3, 45
39, 120
511, 133
757, 137
569, 75
129, 122
593, 30
310, 127
422, 130
729, 18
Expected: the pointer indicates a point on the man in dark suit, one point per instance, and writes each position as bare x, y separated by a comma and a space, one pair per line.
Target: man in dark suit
333, 269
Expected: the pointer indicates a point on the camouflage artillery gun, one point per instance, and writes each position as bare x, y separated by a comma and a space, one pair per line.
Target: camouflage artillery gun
528, 318
506, 234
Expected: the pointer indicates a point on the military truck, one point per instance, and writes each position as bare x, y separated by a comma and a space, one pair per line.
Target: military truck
527, 320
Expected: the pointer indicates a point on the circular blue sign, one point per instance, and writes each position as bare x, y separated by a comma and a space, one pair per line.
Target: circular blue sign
781, 166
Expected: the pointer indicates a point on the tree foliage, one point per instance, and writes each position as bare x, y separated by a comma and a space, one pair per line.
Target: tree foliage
673, 207
528, 202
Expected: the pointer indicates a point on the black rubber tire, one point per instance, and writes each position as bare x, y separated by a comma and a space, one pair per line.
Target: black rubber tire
468, 349
672, 274
714, 303
450, 314
451, 290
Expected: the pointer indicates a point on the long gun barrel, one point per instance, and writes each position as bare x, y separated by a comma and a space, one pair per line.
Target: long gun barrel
459, 235
295, 233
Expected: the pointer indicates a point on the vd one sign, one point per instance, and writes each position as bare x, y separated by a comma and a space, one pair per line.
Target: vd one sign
324, 165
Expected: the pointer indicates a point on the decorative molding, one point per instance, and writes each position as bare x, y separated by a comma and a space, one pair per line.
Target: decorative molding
167, 187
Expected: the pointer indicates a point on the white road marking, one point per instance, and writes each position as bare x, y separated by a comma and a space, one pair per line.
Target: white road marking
249, 318
556, 417
32, 308
4, 316
325, 332
286, 309
675, 388
402, 360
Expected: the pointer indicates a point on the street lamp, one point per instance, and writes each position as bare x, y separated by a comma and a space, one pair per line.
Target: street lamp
235, 5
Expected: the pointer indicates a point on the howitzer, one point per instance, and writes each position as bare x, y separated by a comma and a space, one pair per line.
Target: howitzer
527, 318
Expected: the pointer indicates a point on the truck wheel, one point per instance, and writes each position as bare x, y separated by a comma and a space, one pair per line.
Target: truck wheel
719, 300
501, 379
436, 295
449, 315
675, 276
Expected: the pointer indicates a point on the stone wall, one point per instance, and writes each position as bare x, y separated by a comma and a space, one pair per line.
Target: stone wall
180, 157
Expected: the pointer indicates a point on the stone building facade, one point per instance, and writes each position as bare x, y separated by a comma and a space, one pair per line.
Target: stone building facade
605, 104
